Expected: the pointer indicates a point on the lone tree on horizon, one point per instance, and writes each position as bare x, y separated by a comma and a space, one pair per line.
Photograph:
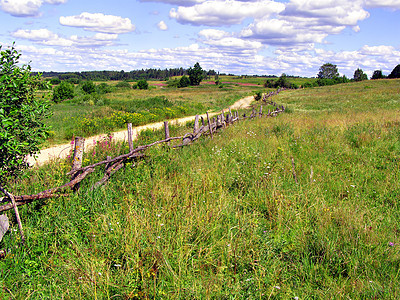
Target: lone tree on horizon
328, 71
359, 75
195, 74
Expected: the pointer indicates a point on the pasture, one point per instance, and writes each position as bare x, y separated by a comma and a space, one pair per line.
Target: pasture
105, 113
225, 217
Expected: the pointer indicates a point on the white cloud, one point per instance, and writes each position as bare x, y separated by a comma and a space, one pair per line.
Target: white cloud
42, 36
331, 12
226, 41
227, 12
303, 61
99, 22
162, 26
25, 8
394, 4
46, 37
176, 2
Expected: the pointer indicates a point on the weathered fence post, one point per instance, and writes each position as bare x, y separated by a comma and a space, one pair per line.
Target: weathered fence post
202, 121
77, 159
196, 124
209, 125
166, 130
130, 140
260, 111
11, 197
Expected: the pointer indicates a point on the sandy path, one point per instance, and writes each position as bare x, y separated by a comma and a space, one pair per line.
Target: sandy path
62, 151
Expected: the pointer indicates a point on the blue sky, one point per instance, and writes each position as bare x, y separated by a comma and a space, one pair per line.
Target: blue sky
232, 36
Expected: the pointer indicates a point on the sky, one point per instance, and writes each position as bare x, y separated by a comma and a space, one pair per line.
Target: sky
241, 37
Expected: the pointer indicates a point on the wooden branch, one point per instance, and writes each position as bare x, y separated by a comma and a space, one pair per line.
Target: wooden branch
14, 204
21, 200
109, 172
131, 154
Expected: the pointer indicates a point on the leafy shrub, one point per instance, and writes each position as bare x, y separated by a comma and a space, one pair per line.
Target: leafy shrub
63, 92
88, 87
73, 80
21, 115
123, 84
55, 81
103, 88
173, 83
258, 96
184, 82
142, 84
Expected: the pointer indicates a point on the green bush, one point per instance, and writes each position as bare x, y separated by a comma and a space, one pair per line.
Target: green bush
184, 82
21, 115
63, 92
88, 87
103, 88
258, 96
123, 84
142, 84
55, 81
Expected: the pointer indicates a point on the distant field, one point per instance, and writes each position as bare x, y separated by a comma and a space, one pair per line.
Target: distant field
80, 117
225, 218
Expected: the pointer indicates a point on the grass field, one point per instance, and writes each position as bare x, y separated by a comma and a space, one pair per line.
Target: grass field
224, 218
86, 116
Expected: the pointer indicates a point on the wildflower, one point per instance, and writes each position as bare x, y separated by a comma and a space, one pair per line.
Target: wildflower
277, 287
391, 244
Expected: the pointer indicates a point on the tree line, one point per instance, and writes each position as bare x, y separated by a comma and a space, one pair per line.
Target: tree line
154, 74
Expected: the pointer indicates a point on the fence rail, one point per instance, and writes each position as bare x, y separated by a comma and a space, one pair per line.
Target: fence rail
112, 165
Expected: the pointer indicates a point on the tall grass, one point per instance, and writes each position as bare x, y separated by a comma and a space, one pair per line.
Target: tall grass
224, 218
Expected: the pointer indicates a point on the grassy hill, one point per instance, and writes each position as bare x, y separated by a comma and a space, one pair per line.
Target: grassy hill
225, 218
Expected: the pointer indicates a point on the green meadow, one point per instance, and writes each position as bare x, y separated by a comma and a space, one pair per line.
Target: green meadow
88, 115
225, 218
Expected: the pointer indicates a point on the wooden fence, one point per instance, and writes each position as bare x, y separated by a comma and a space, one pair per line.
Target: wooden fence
112, 165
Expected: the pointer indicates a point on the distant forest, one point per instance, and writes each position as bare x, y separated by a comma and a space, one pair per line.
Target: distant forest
148, 74
155, 74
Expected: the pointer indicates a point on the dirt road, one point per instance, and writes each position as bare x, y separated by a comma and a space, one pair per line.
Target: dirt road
62, 151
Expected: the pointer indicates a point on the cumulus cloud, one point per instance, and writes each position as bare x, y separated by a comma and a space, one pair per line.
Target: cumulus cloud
162, 26
303, 61
227, 12
25, 8
224, 40
99, 22
175, 2
42, 36
305, 22
46, 37
330, 12
394, 4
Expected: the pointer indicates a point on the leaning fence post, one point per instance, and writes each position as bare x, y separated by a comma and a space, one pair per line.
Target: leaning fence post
11, 197
196, 124
166, 130
209, 125
77, 159
130, 141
